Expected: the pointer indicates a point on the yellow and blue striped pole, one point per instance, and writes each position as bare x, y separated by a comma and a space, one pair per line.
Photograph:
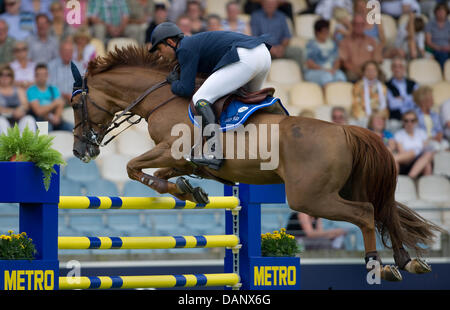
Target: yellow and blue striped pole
104, 202
170, 242
129, 282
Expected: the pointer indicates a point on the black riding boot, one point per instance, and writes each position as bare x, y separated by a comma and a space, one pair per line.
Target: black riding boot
204, 109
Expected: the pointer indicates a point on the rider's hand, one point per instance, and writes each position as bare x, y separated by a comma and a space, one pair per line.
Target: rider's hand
173, 76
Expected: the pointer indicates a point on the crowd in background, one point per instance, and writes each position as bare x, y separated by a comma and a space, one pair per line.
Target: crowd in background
37, 46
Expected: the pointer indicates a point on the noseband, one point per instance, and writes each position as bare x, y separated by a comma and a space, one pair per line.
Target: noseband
89, 135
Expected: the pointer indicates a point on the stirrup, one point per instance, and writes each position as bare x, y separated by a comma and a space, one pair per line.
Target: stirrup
213, 163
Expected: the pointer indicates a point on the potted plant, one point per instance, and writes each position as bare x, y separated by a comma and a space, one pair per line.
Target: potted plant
279, 244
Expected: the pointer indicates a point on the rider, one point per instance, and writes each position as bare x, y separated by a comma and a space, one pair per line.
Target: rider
232, 60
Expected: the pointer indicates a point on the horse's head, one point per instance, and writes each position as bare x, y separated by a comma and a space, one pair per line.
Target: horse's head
91, 119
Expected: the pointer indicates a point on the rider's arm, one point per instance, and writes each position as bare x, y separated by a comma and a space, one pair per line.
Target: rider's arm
188, 61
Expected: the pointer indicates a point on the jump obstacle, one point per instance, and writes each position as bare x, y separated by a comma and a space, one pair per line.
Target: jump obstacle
244, 267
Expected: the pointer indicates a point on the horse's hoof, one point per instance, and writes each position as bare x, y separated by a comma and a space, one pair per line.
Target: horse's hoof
197, 193
200, 196
418, 266
184, 186
391, 273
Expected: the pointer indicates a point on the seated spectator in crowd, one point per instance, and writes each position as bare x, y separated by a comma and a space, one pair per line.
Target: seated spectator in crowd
437, 34
269, 20
322, 57
343, 24
195, 12
59, 28
43, 47
232, 21
411, 37
46, 102
377, 123
21, 24
339, 116
22, 66
83, 51
400, 90
159, 16
396, 8
6, 44
284, 6
445, 118
214, 23
369, 93
357, 49
108, 18
413, 157
140, 13
185, 24
429, 120
36, 6
326, 8
309, 232
13, 103
178, 8
60, 73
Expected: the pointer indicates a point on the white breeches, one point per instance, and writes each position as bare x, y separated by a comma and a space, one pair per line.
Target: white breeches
249, 72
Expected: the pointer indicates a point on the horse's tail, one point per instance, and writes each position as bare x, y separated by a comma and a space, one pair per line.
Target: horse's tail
375, 173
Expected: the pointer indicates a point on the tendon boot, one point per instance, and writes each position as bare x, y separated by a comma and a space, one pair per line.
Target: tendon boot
204, 109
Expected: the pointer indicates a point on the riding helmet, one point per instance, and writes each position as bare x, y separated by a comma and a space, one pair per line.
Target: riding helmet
162, 32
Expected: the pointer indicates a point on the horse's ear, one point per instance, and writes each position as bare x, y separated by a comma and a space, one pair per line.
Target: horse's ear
76, 75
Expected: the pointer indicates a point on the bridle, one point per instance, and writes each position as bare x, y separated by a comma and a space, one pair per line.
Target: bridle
90, 136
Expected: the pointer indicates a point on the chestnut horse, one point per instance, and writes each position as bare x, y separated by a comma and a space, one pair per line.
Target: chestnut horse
341, 173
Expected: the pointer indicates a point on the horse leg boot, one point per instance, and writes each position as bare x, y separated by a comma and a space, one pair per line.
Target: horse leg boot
204, 109
404, 262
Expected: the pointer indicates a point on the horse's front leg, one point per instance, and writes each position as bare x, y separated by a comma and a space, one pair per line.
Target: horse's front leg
158, 157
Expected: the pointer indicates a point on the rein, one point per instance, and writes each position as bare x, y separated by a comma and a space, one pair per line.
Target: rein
95, 138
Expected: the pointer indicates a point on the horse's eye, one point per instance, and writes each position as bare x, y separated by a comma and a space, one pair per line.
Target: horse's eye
76, 106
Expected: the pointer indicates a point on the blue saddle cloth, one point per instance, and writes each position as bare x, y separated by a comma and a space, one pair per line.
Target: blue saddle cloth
237, 112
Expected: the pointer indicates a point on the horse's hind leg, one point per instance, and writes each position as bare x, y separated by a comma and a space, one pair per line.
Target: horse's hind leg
335, 208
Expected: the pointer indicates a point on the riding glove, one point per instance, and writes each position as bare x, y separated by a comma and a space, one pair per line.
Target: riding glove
174, 75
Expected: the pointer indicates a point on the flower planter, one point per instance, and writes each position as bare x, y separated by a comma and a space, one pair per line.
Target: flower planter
29, 275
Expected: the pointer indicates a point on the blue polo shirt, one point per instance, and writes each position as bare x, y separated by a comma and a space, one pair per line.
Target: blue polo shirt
206, 52
44, 97
276, 26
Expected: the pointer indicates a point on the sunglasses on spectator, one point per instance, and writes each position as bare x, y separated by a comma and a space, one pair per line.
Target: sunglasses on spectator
410, 120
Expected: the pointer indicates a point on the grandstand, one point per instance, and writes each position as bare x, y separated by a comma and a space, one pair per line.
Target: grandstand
428, 194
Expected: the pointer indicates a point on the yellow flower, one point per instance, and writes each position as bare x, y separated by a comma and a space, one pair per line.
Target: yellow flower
23, 234
10, 232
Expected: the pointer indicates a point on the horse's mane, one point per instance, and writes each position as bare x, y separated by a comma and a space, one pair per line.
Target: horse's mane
130, 55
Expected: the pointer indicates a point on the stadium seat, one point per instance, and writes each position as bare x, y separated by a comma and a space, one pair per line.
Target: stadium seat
165, 223
306, 95
67, 115
87, 223
447, 70
425, 71
69, 187
298, 6
304, 25
339, 94
135, 189
99, 47
133, 143
216, 7
280, 92
101, 187
442, 164
434, 189
76, 170
406, 190
198, 222
120, 42
114, 167
390, 28
127, 224
63, 142
9, 222
441, 93
386, 68
286, 72
323, 112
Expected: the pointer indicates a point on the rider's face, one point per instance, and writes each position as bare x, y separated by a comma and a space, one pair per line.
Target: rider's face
166, 51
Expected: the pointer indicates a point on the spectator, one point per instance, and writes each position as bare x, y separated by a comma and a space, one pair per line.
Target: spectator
357, 49
411, 37
108, 18
377, 123
309, 231
20, 24
369, 93
60, 73
437, 34
270, 21
22, 66
140, 13
412, 158
159, 16
284, 6
445, 118
232, 21
400, 90
59, 28
46, 102
13, 103
36, 7
214, 23
396, 8
339, 116
322, 56
343, 24
43, 47
428, 120
185, 24
326, 8
83, 51
178, 8
195, 12
6, 44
